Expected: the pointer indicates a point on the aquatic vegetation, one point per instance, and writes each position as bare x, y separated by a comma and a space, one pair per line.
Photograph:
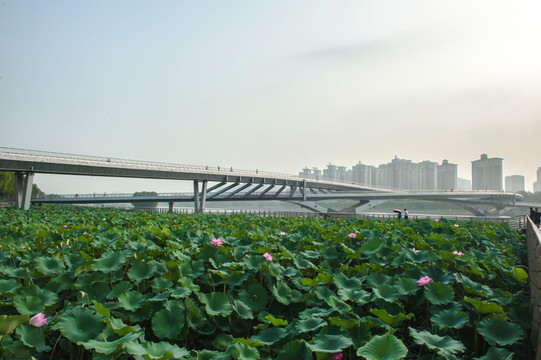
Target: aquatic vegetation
113, 284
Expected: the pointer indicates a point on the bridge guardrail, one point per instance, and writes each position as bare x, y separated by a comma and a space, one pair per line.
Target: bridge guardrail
533, 238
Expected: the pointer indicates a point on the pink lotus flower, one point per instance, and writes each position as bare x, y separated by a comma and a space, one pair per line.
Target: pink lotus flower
103, 219
336, 356
416, 251
85, 233
352, 235
424, 281
282, 233
436, 220
216, 242
458, 253
456, 276
456, 225
65, 226
267, 256
38, 320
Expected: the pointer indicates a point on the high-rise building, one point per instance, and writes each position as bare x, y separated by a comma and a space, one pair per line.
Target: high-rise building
427, 178
447, 176
487, 173
537, 184
514, 183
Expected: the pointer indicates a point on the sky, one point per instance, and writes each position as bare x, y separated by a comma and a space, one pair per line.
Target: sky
271, 85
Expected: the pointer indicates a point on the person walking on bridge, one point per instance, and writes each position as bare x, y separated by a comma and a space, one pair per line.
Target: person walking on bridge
406, 217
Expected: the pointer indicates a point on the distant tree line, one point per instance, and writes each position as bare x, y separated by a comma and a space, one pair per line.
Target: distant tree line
7, 186
145, 204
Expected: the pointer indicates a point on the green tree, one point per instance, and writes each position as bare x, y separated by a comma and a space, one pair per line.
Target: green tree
7, 184
145, 204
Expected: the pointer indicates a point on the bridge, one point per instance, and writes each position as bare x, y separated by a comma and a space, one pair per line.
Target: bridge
229, 184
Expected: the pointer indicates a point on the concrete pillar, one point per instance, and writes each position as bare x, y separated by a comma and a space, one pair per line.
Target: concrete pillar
203, 197
304, 190
27, 192
171, 205
19, 178
196, 196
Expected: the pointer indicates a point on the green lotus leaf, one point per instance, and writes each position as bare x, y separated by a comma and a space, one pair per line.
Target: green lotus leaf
245, 352
131, 300
28, 305
520, 275
357, 295
254, 262
33, 337
162, 283
49, 266
120, 328
343, 282
324, 278
48, 297
496, 354
255, 297
168, 323
383, 347
344, 323
217, 303
282, 292
329, 343
323, 292
142, 270
270, 336
419, 257
223, 341
205, 355
360, 334
180, 292
100, 309
449, 319
438, 293
438, 275
119, 288
443, 345
80, 325
339, 305
484, 307
108, 347
390, 319
475, 288
386, 292
242, 309
295, 350
407, 286
9, 286
498, 332
151, 350
372, 245
311, 324
302, 263
276, 321
109, 262
8, 323
314, 311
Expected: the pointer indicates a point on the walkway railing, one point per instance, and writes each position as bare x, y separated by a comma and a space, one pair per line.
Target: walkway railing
533, 237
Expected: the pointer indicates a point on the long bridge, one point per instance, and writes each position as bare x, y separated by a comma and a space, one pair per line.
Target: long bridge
229, 184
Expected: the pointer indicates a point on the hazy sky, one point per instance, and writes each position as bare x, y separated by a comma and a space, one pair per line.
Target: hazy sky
274, 85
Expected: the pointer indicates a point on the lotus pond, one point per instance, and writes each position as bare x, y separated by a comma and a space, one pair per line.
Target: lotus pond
84, 283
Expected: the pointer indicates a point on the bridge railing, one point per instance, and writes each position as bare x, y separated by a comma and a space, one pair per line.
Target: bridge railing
533, 238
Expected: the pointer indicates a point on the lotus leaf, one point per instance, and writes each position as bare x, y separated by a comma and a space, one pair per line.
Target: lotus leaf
499, 332
49, 265
161, 350
242, 309
383, 347
80, 325
270, 336
131, 300
8, 323
8, 286
217, 303
32, 337
520, 275
497, 354
282, 292
245, 352
443, 345
295, 350
311, 324
390, 319
386, 292
28, 305
168, 323
142, 270
118, 289
438, 293
449, 319
108, 347
48, 297
336, 304
329, 343
276, 321
484, 307
109, 262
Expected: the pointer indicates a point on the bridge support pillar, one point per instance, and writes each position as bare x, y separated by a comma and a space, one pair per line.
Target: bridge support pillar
23, 189
199, 198
171, 205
